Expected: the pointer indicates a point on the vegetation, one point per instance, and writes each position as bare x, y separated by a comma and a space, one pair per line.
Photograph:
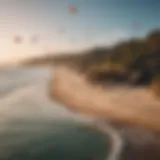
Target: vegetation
135, 62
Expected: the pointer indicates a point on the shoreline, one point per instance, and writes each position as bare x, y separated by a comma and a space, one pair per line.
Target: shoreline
116, 140
128, 141
127, 106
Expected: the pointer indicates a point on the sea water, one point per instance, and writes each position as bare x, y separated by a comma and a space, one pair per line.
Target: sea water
34, 127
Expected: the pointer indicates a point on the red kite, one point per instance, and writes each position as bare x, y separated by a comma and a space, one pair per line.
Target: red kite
17, 39
73, 10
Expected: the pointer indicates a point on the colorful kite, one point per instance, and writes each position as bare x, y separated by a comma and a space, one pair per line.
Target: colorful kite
73, 10
17, 39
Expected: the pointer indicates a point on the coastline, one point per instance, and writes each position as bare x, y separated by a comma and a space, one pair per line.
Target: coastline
134, 106
117, 141
24, 115
136, 142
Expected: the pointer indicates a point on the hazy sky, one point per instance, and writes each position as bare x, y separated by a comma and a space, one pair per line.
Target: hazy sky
57, 28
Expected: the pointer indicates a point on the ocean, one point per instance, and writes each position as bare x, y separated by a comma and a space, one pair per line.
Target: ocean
34, 127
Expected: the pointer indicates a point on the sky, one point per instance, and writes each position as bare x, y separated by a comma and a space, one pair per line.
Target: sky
54, 26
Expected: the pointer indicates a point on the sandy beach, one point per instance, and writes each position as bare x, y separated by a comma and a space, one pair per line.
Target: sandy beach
130, 105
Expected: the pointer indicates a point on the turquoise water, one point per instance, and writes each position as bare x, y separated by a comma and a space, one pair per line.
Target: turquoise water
55, 140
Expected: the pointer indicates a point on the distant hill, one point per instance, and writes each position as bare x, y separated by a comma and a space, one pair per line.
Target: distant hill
136, 61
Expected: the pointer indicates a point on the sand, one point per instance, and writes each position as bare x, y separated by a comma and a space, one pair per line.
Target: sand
123, 104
